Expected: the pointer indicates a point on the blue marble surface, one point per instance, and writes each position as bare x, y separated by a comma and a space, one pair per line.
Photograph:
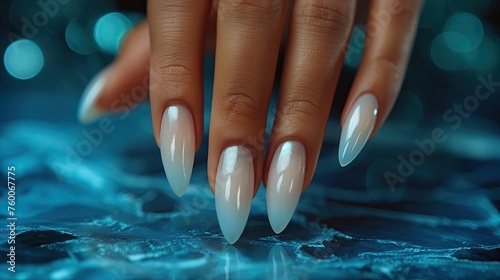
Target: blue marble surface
108, 212
111, 214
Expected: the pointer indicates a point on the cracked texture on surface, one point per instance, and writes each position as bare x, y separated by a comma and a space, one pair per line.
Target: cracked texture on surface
112, 215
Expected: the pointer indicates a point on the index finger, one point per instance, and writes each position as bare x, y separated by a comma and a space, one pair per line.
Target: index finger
177, 29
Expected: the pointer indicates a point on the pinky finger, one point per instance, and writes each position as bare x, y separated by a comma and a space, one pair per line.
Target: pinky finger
380, 75
124, 83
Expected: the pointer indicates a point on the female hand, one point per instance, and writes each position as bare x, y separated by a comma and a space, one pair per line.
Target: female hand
249, 33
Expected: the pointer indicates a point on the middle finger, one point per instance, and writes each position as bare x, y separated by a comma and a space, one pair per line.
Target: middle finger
248, 40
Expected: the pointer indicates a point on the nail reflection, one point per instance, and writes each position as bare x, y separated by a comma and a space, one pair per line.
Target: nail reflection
279, 264
229, 264
233, 265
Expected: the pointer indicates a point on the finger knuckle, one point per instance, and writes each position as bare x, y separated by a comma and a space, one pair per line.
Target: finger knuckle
238, 104
243, 10
303, 107
174, 69
325, 16
388, 65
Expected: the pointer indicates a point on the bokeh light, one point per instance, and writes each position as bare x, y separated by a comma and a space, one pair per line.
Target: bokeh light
77, 39
447, 59
463, 32
109, 31
23, 59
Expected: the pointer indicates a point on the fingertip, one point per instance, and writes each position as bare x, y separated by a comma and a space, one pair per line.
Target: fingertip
285, 183
358, 126
88, 111
177, 147
342, 161
233, 191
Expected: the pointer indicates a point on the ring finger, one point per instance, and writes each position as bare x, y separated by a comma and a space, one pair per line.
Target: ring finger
318, 30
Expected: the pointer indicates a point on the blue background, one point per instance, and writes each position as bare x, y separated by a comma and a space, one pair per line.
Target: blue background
109, 213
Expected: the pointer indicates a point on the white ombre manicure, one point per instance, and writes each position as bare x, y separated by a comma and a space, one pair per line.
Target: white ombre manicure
177, 146
87, 111
234, 185
285, 183
357, 128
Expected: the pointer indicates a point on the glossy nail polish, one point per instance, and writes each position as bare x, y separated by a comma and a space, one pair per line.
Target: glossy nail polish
285, 183
177, 147
357, 128
87, 111
234, 184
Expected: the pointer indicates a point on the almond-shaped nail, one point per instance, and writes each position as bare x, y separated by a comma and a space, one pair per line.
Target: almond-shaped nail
357, 128
234, 184
87, 110
285, 183
177, 147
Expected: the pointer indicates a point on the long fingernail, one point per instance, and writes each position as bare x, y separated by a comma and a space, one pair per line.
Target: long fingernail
357, 128
177, 147
234, 185
285, 183
87, 110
